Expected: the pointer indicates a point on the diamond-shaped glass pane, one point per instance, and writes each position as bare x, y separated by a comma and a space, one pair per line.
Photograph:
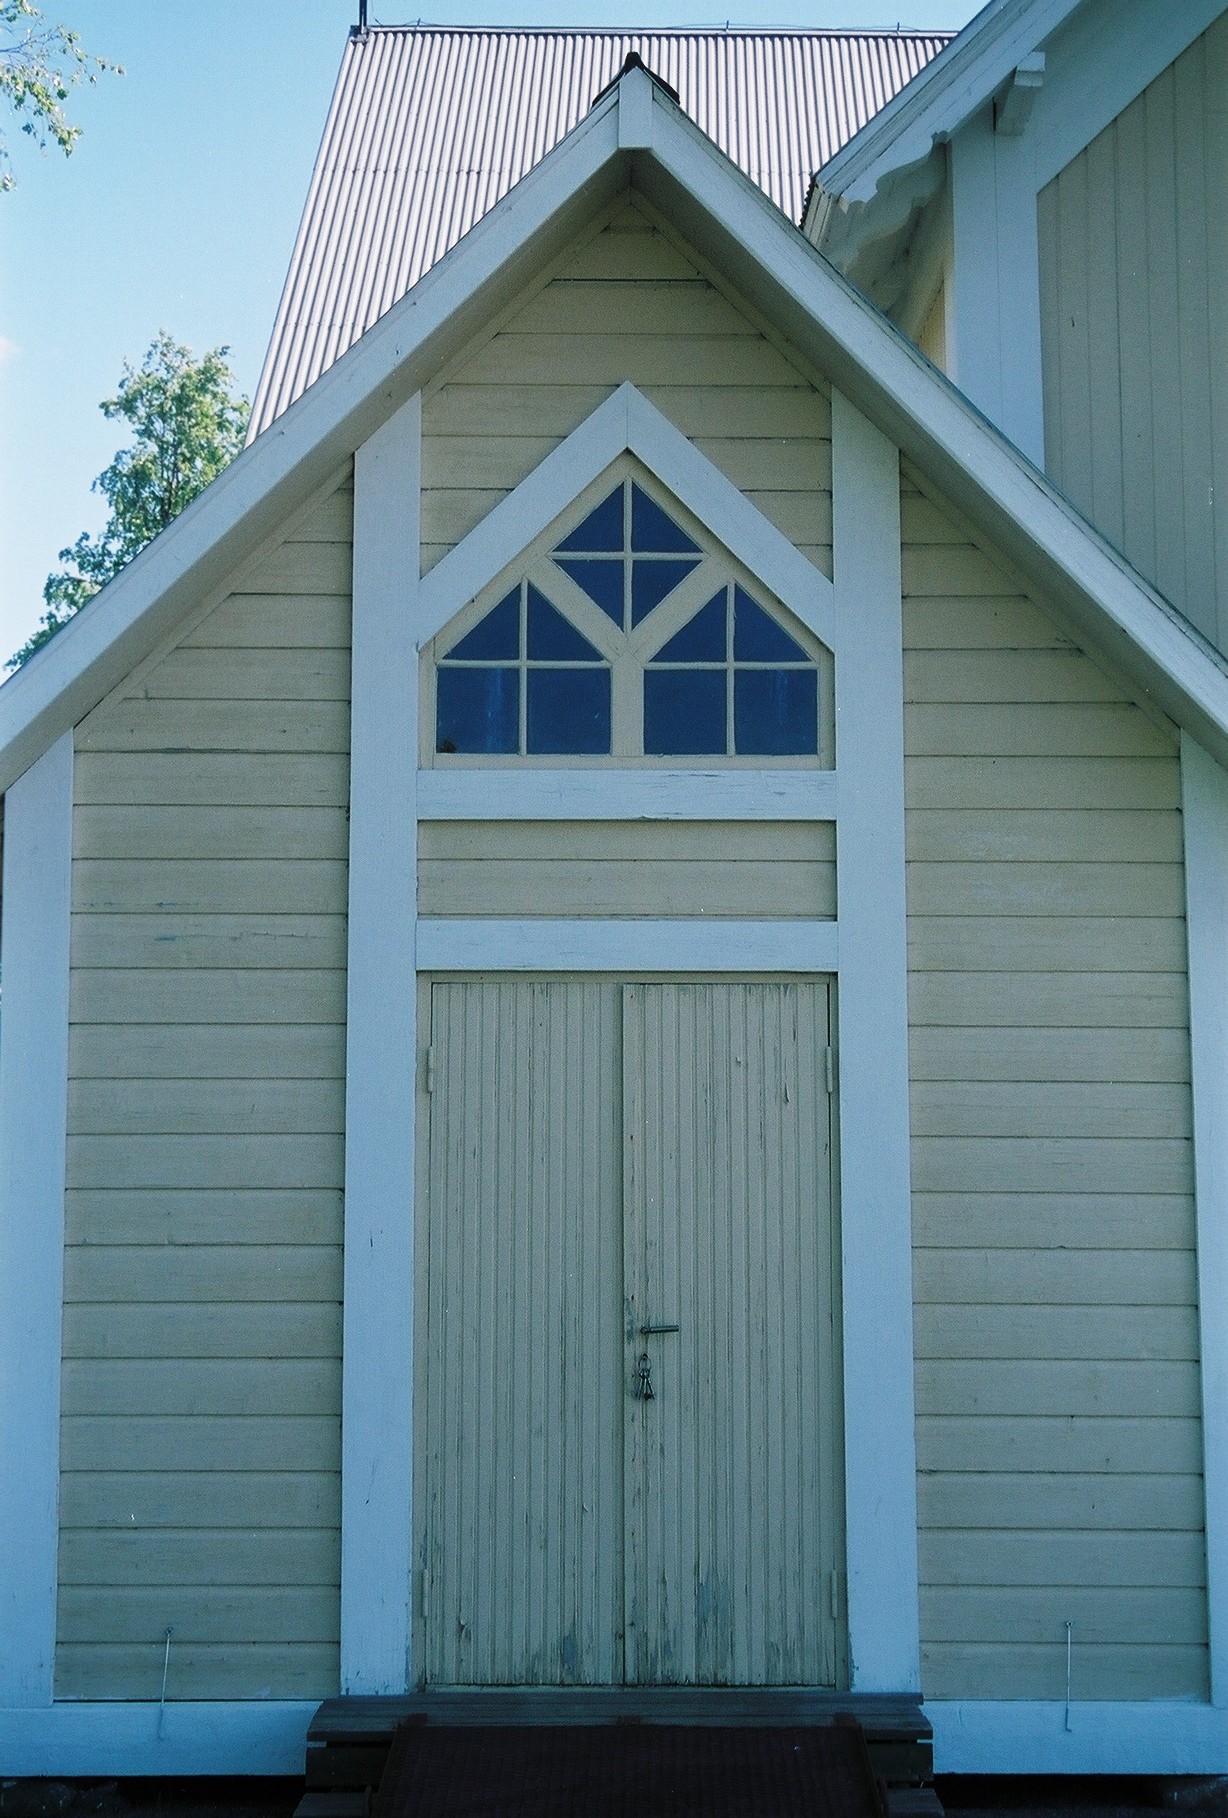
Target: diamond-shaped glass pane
651, 581
601, 580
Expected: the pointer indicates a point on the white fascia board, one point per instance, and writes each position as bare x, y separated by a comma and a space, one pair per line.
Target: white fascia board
101, 1740
298, 452
625, 423
932, 423
962, 78
977, 1736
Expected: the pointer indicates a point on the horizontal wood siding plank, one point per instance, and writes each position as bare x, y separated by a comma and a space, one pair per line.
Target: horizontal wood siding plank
1060, 1505
201, 1386
1044, 1054
1059, 1387
1140, 784
539, 887
302, 567
1038, 1278
203, 1443
201, 1275
1052, 1000
161, 1330
220, 1107
190, 832
198, 1051
1099, 948
1072, 889
208, 886
205, 1612
1010, 1329
263, 1160
1082, 1221
288, 948
108, 1500
1044, 1110
466, 407
1024, 677
996, 834
1130, 1671
270, 621
1143, 1560
312, 727
247, 1670
1032, 729
241, 780
190, 1556
1155, 1615
190, 674
223, 992
963, 1164
1057, 1443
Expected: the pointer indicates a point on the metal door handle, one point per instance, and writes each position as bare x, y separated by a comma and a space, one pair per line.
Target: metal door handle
651, 1331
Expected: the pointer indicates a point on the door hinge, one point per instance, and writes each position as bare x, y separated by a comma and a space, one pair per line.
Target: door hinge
829, 1068
428, 1071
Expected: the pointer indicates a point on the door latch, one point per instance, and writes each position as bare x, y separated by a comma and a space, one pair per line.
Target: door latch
643, 1378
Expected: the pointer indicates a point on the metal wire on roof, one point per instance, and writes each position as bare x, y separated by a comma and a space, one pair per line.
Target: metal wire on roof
430, 125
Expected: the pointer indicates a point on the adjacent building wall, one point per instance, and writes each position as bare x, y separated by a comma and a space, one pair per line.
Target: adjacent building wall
1133, 243
1059, 1441
201, 1389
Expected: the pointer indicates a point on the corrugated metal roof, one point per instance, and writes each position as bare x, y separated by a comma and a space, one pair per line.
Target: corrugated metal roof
430, 126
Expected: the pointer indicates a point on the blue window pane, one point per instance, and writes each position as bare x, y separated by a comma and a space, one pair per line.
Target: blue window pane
684, 712
701, 640
602, 530
757, 638
477, 710
776, 712
601, 581
551, 638
652, 532
569, 710
496, 638
651, 581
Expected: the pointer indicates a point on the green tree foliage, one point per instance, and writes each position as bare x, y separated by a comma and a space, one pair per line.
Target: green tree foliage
39, 64
186, 427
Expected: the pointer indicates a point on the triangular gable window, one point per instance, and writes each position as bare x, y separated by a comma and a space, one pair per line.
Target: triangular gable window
630, 634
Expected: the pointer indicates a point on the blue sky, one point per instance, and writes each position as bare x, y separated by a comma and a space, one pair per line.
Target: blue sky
178, 210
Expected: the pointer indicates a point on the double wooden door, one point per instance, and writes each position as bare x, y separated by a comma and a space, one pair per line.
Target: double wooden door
627, 1458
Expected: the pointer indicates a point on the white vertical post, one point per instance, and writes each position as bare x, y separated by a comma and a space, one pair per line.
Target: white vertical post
381, 1047
875, 1188
34, 957
993, 322
1204, 802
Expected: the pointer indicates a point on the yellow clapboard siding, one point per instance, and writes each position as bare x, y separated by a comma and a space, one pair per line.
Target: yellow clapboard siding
1032, 729
970, 1442
970, 623
265, 675
464, 408
994, 1330
1042, 834
281, 1051
1072, 1221
174, 940
149, 831
1044, 1054
1040, 1558
1061, 1386
953, 569
262, 1160
1042, 1110
330, 521
611, 306
213, 1329
202, 1274
1049, 677
245, 1670
732, 361
190, 1556
1105, 945
1035, 889
1153, 1615
222, 1107
202, 1386
208, 886
221, 725
301, 567
226, 993
205, 779
204, 1442
205, 1612
1104, 1506
1141, 785
596, 841
1057, 1000
106, 1500
272, 621
1134, 1670
1074, 1278
1062, 1165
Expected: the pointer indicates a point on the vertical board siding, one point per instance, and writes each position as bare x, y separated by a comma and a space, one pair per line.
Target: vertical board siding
1059, 1438
1134, 328
627, 306
518, 1374
202, 1330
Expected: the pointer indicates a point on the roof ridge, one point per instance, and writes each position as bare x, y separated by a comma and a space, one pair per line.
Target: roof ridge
727, 30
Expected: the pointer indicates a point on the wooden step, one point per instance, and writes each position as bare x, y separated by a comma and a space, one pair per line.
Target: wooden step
913, 1802
353, 1802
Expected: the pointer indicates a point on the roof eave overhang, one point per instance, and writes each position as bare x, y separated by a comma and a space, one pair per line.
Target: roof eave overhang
636, 133
963, 78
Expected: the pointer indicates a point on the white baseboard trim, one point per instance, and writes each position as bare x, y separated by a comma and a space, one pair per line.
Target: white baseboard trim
88, 1740
979, 1737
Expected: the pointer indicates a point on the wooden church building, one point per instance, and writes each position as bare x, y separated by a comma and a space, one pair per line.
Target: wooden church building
614, 1056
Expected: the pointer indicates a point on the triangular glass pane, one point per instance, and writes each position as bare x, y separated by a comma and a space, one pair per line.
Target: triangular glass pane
653, 532
702, 639
651, 581
552, 639
757, 638
602, 530
494, 639
601, 579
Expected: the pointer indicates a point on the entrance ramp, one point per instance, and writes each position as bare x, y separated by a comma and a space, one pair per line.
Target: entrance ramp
620, 1753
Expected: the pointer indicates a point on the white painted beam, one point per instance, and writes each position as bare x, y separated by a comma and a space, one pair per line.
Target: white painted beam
68, 1740
1204, 804
1026, 1737
34, 961
376, 1426
875, 1182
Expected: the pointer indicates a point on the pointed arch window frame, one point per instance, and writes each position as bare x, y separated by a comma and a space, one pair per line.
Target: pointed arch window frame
627, 424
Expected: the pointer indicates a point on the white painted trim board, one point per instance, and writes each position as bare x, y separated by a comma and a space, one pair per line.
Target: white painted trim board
34, 962
92, 1740
381, 1011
